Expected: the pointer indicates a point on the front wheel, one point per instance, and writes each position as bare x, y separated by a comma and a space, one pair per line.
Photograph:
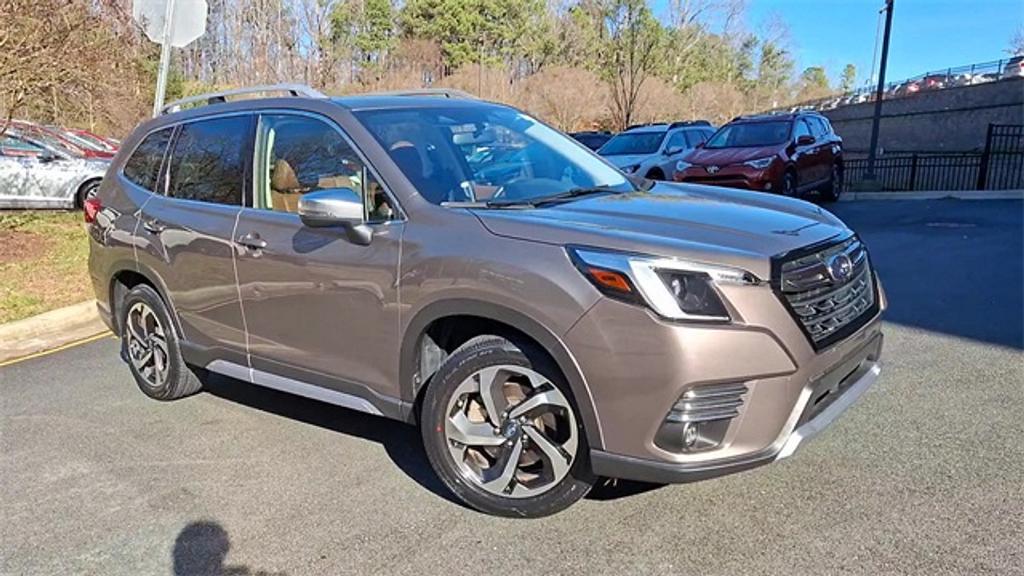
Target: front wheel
502, 432
789, 184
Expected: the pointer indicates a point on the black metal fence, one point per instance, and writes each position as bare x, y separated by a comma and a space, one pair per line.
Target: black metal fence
999, 167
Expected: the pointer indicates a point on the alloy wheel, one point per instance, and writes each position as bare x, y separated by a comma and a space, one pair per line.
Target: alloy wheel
147, 344
510, 431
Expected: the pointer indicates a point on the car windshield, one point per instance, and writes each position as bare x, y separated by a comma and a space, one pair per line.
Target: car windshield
633, 143
750, 135
487, 154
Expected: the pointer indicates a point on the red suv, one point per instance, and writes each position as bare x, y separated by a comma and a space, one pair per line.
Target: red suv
791, 154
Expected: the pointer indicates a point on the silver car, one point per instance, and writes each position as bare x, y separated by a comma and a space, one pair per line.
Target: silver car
651, 150
37, 174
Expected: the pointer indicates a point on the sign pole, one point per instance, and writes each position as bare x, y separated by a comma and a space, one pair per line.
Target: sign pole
165, 59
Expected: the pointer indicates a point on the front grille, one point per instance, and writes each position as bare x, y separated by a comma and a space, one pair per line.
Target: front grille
829, 291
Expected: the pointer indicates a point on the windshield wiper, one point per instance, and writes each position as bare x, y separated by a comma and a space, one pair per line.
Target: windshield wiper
534, 202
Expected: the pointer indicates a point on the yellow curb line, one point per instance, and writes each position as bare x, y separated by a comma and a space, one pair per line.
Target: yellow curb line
57, 349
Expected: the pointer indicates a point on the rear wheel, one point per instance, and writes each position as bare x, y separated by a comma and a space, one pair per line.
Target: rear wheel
831, 191
502, 432
152, 348
87, 191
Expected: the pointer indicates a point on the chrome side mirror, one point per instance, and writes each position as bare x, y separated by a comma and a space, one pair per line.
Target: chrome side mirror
336, 207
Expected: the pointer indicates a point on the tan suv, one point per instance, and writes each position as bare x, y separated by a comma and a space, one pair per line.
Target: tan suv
461, 266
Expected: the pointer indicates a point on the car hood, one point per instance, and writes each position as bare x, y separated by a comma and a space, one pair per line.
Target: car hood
624, 160
699, 223
727, 156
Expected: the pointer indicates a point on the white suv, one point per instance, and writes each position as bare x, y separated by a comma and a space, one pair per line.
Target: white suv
651, 150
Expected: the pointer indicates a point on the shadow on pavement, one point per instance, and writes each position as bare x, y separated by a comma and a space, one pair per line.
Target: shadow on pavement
949, 266
200, 550
401, 442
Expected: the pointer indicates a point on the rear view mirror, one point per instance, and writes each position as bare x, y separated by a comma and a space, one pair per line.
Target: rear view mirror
699, 145
336, 207
674, 150
47, 157
805, 140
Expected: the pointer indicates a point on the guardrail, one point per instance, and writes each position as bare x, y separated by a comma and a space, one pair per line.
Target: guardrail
968, 75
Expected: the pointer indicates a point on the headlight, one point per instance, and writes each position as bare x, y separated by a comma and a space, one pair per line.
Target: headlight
675, 289
760, 163
682, 165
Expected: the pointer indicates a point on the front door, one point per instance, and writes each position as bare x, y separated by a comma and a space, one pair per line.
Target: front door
806, 157
319, 309
185, 236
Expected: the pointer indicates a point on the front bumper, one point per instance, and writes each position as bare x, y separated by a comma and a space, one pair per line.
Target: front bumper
735, 176
637, 366
809, 419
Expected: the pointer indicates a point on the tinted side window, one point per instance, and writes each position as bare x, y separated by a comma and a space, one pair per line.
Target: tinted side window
695, 137
143, 168
801, 129
817, 127
11, 146
676, 141
208, 160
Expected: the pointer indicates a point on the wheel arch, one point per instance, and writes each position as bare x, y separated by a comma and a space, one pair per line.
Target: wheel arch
493, 317
82, 186
126, 278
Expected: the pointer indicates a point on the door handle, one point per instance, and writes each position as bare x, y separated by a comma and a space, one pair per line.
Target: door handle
252, 241
153, 225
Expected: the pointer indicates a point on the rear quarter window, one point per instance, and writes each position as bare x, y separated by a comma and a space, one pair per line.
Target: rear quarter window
143, 167
208, 160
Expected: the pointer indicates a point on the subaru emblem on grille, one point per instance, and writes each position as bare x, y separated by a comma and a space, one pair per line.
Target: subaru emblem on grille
712, 169
840, 267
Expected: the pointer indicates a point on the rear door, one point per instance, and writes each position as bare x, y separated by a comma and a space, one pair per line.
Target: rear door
808, 168
185, 235
319, 308
825, 146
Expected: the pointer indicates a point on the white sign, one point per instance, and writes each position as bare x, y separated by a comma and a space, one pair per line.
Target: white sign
187, 23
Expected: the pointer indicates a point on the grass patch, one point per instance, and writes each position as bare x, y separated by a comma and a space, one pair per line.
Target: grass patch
43, 262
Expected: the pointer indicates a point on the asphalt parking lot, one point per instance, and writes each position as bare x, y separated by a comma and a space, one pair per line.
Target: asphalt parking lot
925, 475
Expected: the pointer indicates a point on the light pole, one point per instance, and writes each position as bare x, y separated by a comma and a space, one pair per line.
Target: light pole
873, 149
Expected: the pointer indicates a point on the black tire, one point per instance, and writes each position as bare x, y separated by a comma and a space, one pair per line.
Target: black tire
179, 379
655, 174
831, 191
88, 190
475, 355
789, 185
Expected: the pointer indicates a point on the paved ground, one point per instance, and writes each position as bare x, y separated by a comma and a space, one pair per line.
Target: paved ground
924, 476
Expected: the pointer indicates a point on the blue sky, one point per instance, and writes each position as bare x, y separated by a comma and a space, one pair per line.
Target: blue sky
927, 34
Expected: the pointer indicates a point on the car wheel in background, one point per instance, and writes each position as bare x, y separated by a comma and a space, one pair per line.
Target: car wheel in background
502, 431
831, 191
655, 174
789, 185
151, 347
87, 191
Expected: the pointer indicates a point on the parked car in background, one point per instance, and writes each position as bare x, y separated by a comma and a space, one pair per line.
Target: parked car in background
908, 88
1013, 69
59, 138
651, 150
592, 139
92, 140
933, 82
543, 329
37, 173
790, 154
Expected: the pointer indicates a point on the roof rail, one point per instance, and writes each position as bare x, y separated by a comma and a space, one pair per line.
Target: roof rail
296, 90
440, 92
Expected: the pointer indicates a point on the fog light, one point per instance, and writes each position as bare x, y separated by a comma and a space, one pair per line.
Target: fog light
768, 186
690, 435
